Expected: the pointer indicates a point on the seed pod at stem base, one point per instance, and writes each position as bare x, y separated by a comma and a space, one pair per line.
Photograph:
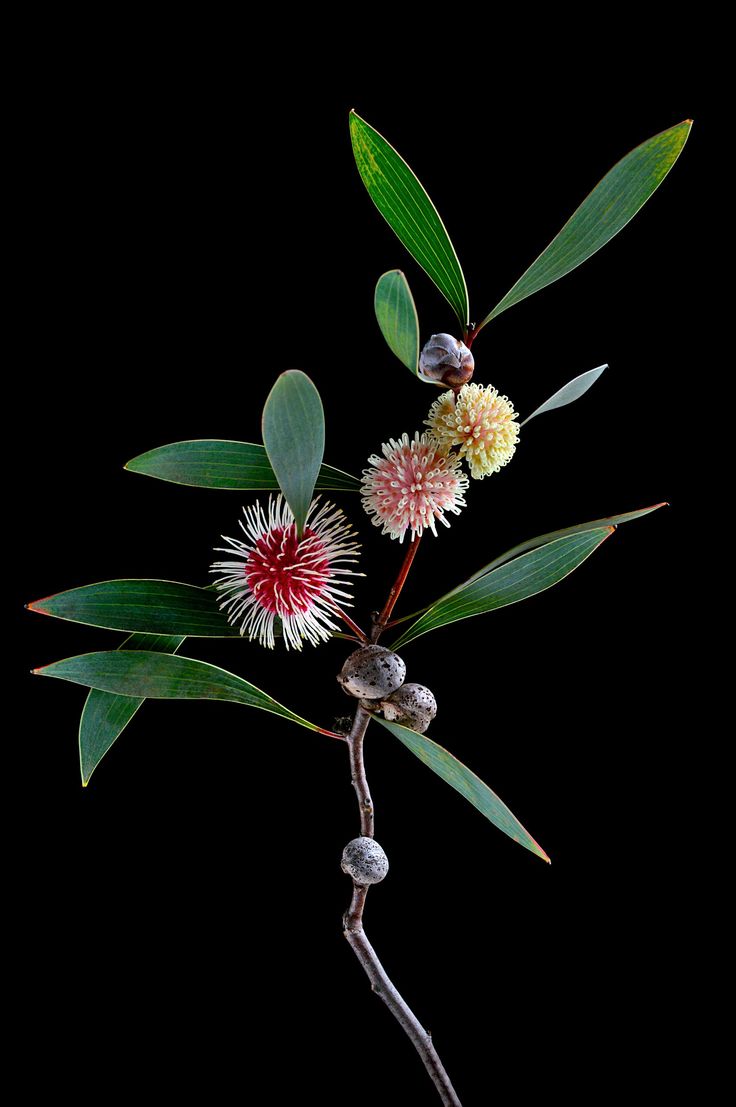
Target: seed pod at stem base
372, 672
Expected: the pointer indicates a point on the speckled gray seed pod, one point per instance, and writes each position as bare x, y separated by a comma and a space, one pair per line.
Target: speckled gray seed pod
412, 705
365, 861
372, 672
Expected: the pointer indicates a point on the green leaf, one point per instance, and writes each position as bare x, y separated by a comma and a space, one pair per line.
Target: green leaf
106, 715
552, 535
294, 437
459, 777
142, 606
161, 676
408, 210
397, 317
608, 208
518, 580
569, 392
215, 463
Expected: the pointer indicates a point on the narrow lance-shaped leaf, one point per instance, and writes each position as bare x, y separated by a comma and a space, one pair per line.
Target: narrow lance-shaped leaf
216, 463
294, 437
569, 392
142, 606
408, 210
552, 535
159, 676
397, 317
518, 580
106, 715
603, 213
460, 777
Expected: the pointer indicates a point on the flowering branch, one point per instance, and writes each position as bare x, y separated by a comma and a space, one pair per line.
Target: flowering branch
289, 576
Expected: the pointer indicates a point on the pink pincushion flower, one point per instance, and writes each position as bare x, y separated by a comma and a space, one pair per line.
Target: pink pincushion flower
413, 485
280, 575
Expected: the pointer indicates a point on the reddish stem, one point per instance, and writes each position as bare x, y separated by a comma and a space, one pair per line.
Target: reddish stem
380, 623
331, 734
361, 634
470, 336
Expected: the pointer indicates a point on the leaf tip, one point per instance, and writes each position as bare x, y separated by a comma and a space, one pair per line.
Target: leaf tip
35, 605
689, 122
537, 850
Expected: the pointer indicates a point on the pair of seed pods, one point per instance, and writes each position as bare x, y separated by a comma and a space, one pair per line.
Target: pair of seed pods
375, 676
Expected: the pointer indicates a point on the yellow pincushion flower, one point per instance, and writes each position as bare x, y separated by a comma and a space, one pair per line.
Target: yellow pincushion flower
480, 422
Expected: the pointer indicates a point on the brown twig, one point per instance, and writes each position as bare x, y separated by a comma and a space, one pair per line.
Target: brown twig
420, 1038
353, 918
362, 948
357, 770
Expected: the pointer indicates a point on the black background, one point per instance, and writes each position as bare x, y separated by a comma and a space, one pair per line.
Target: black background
194, 227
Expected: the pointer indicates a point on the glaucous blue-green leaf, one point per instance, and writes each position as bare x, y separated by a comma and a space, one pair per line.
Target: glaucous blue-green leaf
460, 777
397, 317
519, 579
408, 210
144, 674
603, 213
142, 606
106, 715
294, 437
569, 392
215, 463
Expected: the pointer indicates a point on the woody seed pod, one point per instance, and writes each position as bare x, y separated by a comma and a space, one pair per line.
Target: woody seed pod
372, 672
364, 860
446, 360
412, 705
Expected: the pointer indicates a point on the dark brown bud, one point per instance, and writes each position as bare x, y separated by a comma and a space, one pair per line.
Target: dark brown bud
446, 360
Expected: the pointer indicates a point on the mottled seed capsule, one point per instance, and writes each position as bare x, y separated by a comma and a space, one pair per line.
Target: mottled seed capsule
372, 672
365, 861
412, 705
446, 360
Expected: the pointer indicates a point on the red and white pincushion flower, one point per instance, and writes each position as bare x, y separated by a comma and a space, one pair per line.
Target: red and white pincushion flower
412, 486
280, 575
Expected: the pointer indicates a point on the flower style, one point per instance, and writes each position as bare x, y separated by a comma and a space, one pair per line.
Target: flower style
413, 485
280, 575
481, 423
